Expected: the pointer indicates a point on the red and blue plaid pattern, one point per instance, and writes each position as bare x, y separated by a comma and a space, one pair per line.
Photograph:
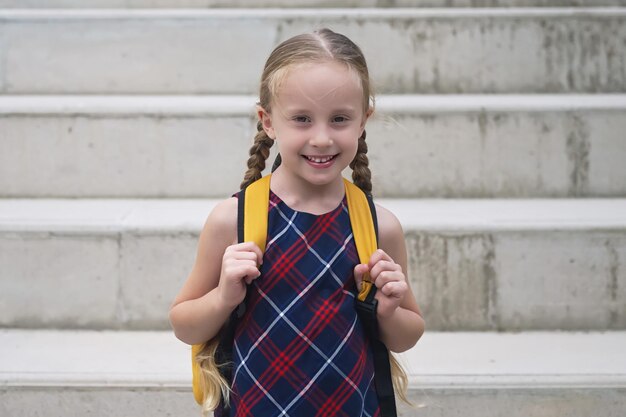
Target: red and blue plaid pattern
300, 349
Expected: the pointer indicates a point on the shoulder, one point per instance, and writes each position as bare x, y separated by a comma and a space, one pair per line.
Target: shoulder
224, 213
219, 232
221, 223
388, 223
390, 233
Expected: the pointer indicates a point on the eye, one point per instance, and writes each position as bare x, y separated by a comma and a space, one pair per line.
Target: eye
301, 119
339, 119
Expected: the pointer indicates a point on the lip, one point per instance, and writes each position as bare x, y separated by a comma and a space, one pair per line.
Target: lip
328, 160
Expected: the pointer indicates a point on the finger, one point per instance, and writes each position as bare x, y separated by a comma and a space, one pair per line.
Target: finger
383, 265
386, 277
249, 247
395, 289
245, 256
379, 255
242, 269
233, 263
359, 271
251, 275
259, 253
248, 279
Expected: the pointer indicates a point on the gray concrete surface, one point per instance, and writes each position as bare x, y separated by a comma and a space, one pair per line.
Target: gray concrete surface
475, 374
529, 50
43, 4
176, 402
420, 146
473, 264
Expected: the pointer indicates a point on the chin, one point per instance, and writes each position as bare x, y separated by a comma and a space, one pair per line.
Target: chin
322, 179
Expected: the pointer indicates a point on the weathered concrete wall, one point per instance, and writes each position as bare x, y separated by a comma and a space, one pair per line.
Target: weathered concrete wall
123, 157
183, 149
516, 403
499, 154
105, 402
409, 50
97, 402
527, 277
93, 282
520, 280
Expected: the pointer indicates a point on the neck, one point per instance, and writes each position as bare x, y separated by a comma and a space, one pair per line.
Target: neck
304, 196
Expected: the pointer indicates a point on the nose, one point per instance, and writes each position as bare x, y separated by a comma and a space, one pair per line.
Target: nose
321, 137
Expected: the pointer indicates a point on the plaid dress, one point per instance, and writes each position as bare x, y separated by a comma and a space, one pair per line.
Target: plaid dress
300, 349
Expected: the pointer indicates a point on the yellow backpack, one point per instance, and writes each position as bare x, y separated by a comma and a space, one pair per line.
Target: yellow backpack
252, 226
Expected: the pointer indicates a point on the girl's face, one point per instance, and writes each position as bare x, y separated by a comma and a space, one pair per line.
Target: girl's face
316, 119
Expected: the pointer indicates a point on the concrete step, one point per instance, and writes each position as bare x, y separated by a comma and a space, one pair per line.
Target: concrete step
473, 264
174, 4
470, 374
420, 145
71, 374
410, 50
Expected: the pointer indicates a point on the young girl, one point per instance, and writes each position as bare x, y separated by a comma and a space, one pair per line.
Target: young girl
300, 349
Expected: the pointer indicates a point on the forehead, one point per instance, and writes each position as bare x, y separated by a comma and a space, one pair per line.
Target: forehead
320, 85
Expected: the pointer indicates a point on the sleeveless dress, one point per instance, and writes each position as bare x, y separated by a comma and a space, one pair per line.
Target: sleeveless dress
300, 349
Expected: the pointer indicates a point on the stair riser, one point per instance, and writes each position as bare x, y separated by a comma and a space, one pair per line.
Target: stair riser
97, 402
63, 156
223, 52
519, 280
105, 402
462, 280
517, 402
93, 281
425, 154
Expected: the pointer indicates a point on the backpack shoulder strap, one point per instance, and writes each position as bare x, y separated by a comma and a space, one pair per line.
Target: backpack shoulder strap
365, 230
252, 218
252, 214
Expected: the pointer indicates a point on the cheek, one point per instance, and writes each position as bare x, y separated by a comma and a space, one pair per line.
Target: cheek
286, 145
351, 141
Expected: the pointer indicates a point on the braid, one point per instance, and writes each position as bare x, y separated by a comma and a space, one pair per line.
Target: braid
259, 152
361, 174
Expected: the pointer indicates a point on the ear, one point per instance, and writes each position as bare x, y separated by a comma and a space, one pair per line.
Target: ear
366, 117
266, 121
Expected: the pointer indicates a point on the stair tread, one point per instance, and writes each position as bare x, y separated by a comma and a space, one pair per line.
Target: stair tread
535, 359
157, 358
366, 12
237, 104
260, 4
188, 215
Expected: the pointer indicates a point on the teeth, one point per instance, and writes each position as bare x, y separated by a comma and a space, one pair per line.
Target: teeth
318, 159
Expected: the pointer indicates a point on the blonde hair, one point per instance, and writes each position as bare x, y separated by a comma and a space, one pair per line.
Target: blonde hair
323, 45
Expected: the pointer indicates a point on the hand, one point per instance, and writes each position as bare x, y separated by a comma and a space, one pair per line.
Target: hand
389, 280
240, 266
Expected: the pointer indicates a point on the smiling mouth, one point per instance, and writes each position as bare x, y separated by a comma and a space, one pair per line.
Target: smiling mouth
320, 159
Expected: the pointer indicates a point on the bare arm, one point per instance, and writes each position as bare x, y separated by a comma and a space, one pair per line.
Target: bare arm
399, 317
216, 284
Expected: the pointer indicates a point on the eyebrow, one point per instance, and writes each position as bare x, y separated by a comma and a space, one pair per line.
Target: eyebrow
297, 110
